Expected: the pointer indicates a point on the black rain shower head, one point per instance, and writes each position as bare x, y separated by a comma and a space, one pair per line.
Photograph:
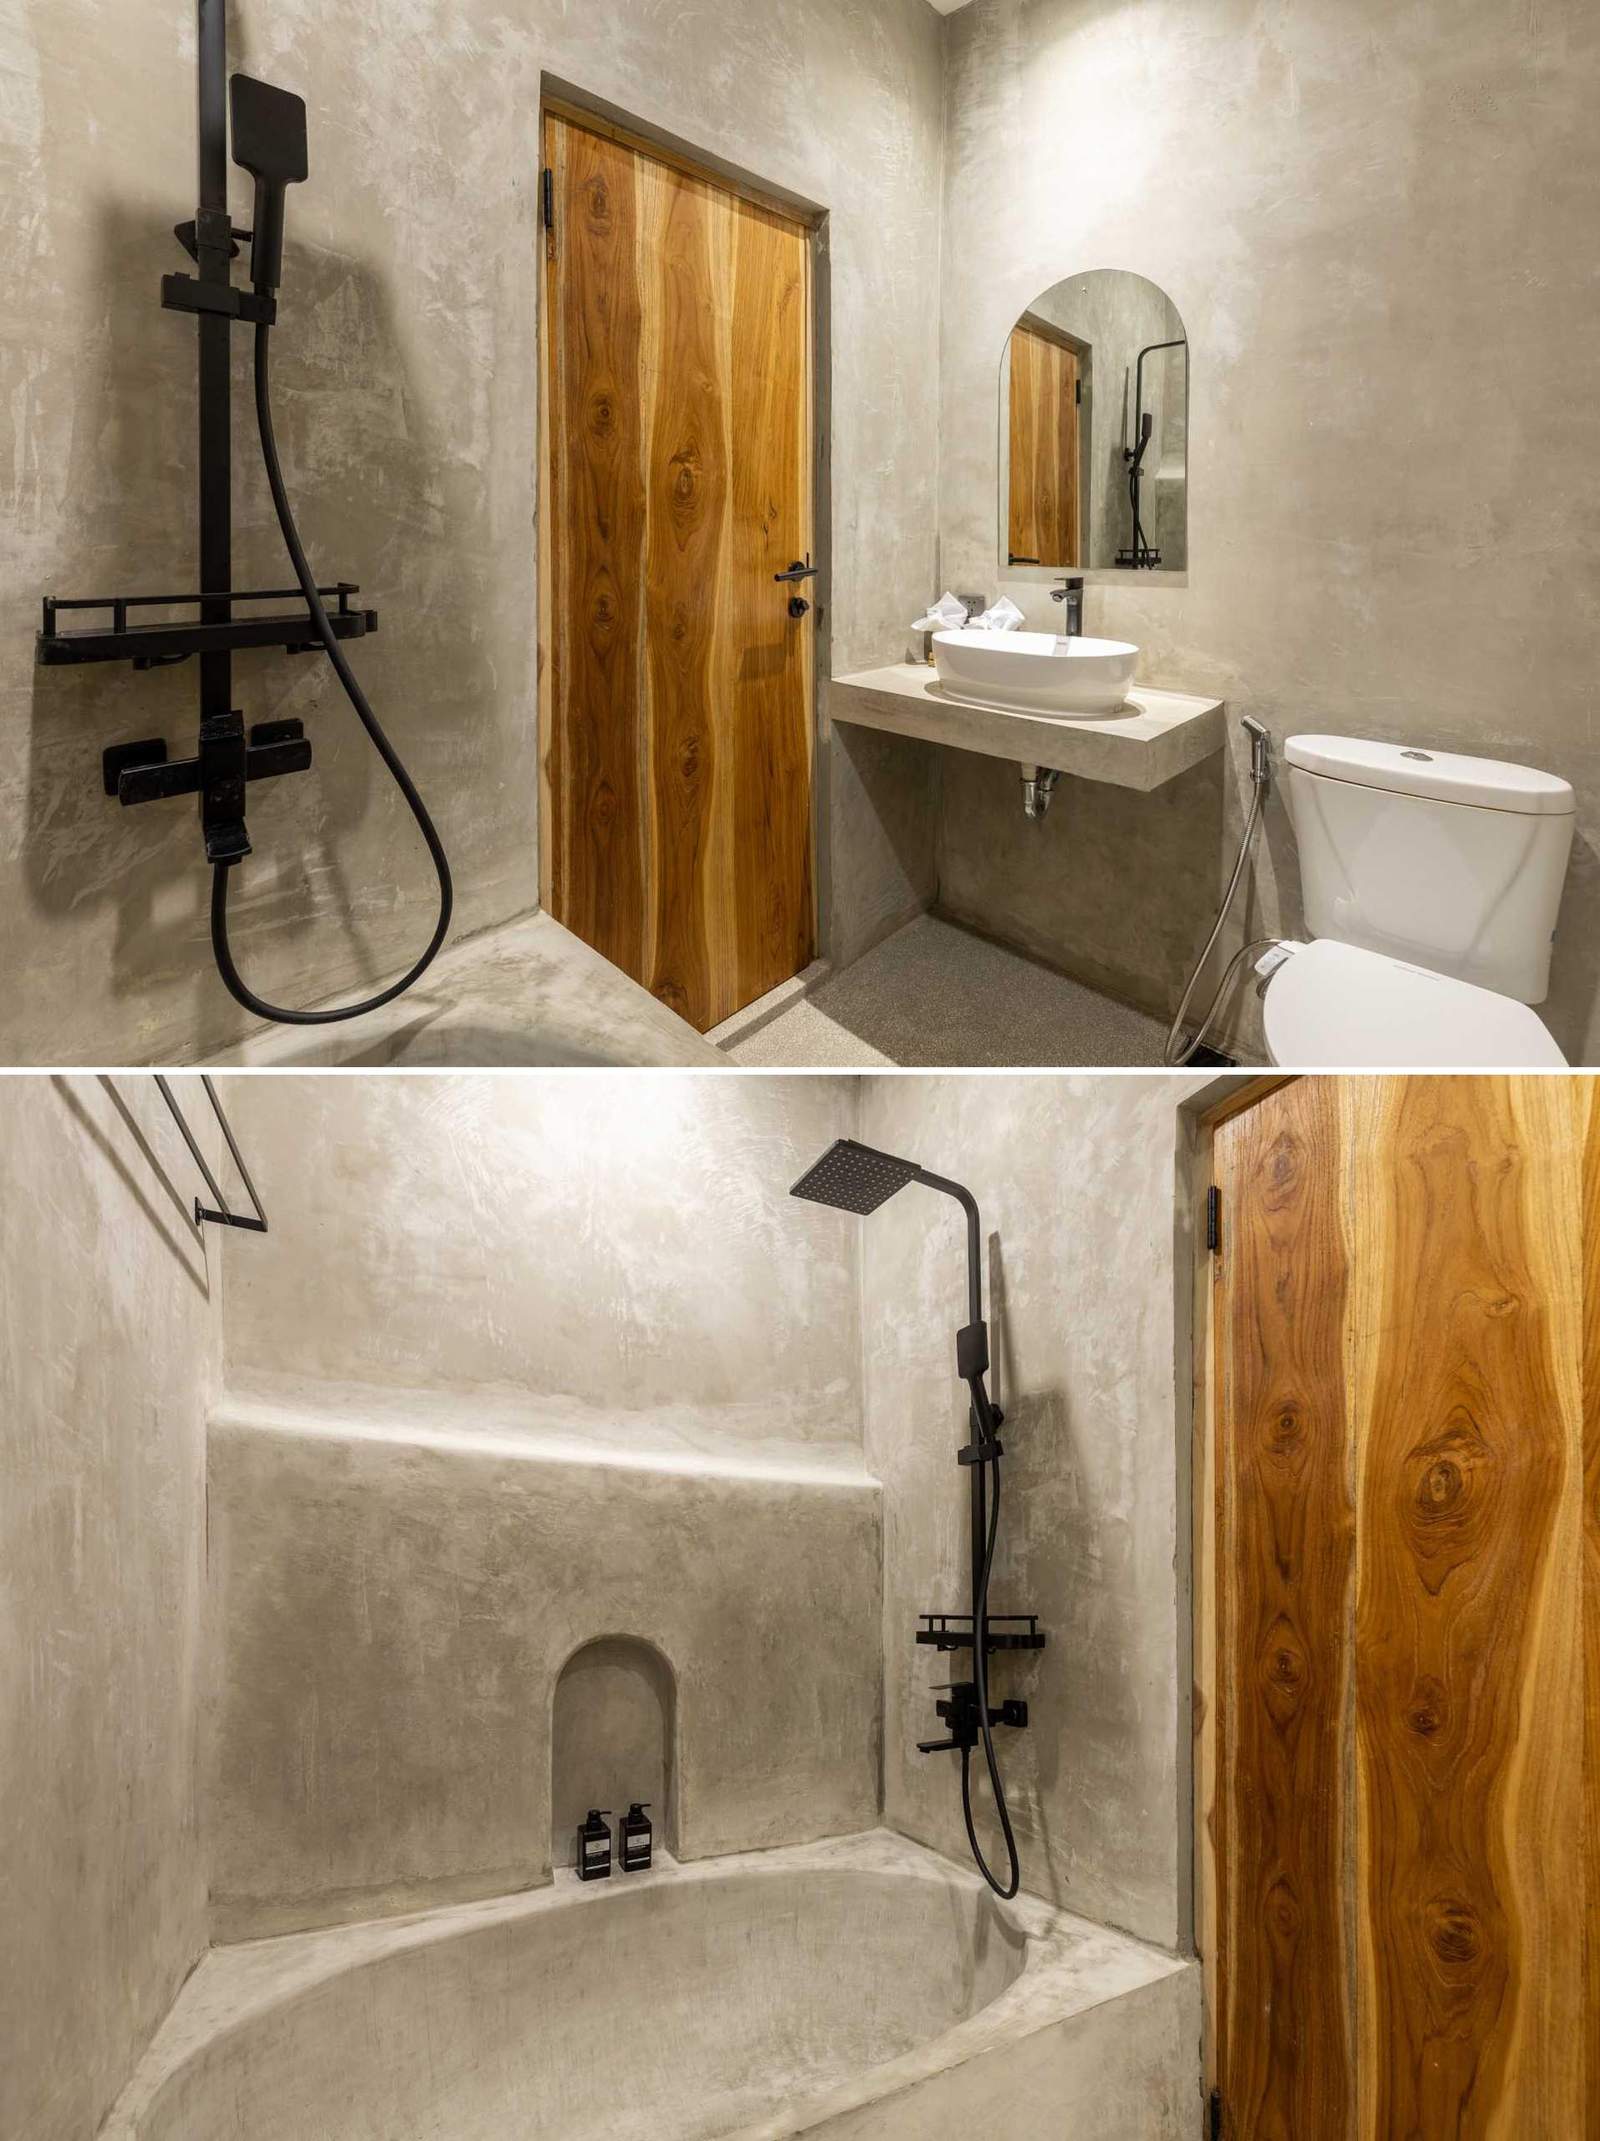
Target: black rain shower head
855, 1178
858, 1178
269, 141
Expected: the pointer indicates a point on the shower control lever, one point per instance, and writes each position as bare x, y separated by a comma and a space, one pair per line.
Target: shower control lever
960, 1713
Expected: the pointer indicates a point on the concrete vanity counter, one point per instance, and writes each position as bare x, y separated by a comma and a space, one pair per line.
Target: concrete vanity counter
1160, 734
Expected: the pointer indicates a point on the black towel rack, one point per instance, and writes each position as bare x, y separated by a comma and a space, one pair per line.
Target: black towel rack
217, 1211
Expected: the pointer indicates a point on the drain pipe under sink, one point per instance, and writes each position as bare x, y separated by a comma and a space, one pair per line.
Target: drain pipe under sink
1038, 786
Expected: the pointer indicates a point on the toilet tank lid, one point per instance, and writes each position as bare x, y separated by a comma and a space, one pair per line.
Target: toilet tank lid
1445, 776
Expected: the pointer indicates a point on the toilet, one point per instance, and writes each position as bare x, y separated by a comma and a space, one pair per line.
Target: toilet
1431, 885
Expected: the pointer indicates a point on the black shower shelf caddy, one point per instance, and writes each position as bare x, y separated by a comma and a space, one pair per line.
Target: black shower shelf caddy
154, 645
1007, 1631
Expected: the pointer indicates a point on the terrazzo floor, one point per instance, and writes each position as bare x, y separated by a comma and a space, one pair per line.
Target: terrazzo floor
936, 994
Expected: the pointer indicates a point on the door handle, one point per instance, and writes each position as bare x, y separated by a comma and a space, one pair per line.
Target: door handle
799, 570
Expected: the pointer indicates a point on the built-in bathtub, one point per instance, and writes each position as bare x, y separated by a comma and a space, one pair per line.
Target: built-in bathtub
852, 1988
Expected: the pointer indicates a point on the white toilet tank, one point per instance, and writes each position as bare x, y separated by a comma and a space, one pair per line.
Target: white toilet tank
1454, 863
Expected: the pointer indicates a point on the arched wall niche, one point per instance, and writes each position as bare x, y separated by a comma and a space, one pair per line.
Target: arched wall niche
613, 1738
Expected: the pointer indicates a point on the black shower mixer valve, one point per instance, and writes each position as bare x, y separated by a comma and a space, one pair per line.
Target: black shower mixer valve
960, 1713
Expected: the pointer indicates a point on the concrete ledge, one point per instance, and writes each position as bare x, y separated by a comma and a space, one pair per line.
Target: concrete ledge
1159, 736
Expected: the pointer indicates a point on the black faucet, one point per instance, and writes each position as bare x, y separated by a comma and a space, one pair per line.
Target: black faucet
1071, 593
960, 1713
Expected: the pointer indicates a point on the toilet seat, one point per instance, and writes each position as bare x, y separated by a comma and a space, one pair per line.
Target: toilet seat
1336, 1005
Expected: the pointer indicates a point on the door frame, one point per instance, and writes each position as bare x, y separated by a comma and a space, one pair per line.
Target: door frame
1202, 1113
567, 100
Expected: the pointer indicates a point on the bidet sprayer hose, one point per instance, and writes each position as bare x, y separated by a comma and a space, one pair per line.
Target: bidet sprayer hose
1177, 1049
369, 721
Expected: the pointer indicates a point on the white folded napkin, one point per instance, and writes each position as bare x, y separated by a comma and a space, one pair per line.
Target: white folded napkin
947, 615
1004, 616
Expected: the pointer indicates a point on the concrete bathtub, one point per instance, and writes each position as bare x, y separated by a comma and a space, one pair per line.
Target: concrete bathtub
853, 1988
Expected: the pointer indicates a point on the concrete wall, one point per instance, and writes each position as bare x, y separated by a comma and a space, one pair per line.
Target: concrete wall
1375, 226
1075, 1178
527, 1363
109, 1347
392, 1613
611, 1259
406, 387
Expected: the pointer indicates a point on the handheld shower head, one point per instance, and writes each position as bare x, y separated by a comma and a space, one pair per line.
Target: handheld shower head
269, 141
854, 1178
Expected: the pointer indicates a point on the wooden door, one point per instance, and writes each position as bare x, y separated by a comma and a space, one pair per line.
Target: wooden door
676, 686
1397, 1919
1591, 1608
1045, 455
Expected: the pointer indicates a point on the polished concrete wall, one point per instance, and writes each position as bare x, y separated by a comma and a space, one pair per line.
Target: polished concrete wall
1374, 226
1075, 1178
392, 1611
110, 1342
406, 375
526, 1364
610, 1261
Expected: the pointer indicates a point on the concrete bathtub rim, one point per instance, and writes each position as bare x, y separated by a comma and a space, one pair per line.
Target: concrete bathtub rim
235, 1987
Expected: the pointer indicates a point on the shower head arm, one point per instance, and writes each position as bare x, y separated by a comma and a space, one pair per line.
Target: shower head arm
969, 1205
972, 1342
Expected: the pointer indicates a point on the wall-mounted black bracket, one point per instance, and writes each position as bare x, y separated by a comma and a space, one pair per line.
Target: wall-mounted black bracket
182, 293
218, 1213
1007, 1631
219, 231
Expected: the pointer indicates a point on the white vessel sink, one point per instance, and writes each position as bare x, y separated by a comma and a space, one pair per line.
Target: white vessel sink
1036, 670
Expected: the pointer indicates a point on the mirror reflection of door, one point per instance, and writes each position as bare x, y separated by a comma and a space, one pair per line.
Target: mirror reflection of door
1047, 389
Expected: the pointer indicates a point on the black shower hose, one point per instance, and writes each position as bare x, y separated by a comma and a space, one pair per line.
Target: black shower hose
980, 1658
236, 986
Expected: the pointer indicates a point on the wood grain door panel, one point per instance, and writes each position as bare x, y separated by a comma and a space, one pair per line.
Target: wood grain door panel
677, 687
1591, 1604
1045, 474
1407, 1526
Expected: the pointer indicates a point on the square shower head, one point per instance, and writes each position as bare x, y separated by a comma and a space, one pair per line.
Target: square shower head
855, 1178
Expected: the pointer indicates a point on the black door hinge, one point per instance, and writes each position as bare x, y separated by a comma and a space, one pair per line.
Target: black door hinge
547, 185
1077, 392
1214, 1219
1214, 2127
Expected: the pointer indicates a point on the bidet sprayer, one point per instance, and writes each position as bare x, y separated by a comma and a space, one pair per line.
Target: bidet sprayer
1260, 751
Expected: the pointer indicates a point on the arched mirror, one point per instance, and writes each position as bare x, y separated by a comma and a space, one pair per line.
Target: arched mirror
1094, 421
